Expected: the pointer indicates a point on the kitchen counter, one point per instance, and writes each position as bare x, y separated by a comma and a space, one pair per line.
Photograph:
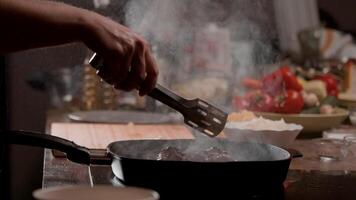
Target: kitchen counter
308, 177
60, 171
300, 184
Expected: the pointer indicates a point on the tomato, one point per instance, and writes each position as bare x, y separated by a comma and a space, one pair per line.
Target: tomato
289, 102
272, 83
260, 101
330, 82
334, 93
254, 101
291, 82
240, 103
252, 83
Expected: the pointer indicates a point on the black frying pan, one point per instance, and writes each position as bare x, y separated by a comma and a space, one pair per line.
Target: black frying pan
260, 173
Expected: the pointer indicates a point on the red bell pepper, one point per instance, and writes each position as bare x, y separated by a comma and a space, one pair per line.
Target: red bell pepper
290, 80
289, 102
330, 82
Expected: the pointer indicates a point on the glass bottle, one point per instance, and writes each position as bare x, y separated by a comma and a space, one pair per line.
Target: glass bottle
91, 87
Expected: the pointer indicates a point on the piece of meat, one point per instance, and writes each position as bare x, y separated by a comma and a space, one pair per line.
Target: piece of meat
215, 154
170, 153
212, 154
195, 157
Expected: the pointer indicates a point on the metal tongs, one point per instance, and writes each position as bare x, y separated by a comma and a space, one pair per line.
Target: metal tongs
197, 113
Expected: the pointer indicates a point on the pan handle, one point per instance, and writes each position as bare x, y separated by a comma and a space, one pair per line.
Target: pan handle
74, 152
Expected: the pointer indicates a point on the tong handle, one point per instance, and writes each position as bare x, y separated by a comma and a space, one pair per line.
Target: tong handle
169, 98
159, 93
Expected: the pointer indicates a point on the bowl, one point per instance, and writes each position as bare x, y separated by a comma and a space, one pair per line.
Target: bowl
99, 192
282, 134
312, 123
347, 100
353, 117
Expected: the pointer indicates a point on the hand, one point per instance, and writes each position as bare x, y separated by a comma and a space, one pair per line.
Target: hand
128, 61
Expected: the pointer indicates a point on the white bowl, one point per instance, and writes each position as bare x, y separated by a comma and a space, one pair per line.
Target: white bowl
353, 119
312, 123
99, 192
280, 137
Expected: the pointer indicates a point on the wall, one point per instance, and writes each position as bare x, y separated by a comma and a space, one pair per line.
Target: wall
293, 16
343, 13
27, 111
27, 107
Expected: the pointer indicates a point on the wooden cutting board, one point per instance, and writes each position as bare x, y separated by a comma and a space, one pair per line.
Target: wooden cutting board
98, 136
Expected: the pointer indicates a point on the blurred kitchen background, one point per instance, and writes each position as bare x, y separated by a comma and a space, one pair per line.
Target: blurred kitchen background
203, 49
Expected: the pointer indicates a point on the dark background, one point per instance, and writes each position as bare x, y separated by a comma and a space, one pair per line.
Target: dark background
340, 13
27, 107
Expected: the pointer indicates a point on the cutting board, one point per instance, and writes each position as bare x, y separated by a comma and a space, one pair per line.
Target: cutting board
98, 136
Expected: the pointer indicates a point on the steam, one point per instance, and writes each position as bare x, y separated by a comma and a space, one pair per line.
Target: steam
101, 3
242, 152
173, 28
150, 150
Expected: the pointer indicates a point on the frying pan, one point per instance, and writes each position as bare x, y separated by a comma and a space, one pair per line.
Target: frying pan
259, 171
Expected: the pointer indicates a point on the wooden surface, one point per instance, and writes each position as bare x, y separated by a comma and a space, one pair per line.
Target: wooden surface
98, 136
311, 149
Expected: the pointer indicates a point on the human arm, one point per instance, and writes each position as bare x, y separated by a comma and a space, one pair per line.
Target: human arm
28, 24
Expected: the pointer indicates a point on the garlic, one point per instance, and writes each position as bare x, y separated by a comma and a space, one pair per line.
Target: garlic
326, 109
310, 99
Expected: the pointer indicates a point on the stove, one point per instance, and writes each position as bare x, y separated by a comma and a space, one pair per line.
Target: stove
103, 175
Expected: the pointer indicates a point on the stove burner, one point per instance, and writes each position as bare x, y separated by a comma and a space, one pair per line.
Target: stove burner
103, 175
116, 182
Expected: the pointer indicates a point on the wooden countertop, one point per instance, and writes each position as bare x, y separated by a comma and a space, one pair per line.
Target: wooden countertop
98, 136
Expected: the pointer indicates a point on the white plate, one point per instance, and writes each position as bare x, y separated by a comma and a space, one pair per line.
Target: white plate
95, 193
282, 138
312, 123
123, 117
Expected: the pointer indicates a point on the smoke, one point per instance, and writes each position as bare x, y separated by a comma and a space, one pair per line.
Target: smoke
101, 3
195, 39
247, 151
175, 28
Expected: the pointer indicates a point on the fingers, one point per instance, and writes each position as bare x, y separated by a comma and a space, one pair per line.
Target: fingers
151, 75
137, 72
130, 65
117, 66
143, 72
